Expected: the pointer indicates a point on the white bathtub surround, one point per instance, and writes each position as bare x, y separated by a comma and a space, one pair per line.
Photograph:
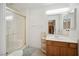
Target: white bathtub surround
27, 52
61, 38
16, 53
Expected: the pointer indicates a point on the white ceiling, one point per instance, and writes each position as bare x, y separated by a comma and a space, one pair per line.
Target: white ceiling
30, 5
34, 5
23, 6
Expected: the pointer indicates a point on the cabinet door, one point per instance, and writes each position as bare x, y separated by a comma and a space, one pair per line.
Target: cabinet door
72, 52
63, 51
52, 51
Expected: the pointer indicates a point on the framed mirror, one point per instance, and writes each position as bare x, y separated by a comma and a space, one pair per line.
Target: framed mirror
66, 22
69, 20
61, 20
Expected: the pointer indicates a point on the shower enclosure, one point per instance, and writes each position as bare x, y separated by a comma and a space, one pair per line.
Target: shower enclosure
15, 28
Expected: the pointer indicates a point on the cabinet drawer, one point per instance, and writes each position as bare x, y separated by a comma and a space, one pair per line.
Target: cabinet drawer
60, 44
49, 42
56, 43
73, 45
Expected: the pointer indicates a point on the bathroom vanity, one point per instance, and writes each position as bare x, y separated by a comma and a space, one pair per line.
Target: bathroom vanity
59, 40
61, 47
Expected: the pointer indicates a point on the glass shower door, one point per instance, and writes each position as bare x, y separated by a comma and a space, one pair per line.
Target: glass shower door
15, 31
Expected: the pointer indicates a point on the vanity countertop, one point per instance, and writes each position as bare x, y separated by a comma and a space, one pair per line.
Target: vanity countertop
61, 38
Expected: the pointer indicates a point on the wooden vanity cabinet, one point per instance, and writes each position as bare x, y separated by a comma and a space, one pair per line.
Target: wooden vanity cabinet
52, 51
72, 49
56, 48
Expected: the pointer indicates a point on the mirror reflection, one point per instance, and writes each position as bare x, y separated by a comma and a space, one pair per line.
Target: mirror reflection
61, 22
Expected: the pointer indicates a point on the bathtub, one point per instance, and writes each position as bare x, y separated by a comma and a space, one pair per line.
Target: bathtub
16, 53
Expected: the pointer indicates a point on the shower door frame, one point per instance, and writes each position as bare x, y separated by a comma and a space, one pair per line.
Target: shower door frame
16, 12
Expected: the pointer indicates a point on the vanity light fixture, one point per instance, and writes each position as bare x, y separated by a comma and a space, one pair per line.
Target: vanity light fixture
57, 11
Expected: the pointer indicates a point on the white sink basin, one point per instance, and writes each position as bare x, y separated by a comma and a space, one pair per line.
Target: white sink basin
57, 36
